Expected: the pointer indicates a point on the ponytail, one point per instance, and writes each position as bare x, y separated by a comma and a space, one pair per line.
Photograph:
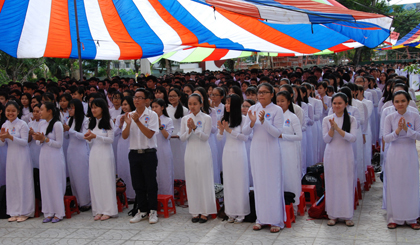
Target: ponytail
55, 114
346, 122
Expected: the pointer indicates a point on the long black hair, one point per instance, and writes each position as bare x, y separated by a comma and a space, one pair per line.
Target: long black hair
387, 94
346, 122
55, 115
297, 94
206, 105
79, 114
179, 112
305, 91
237, 90
165, 94
130, 102
234, 117
162, 103
289, 98
333, 77
29, 97
105, 120
65, 96
2, 114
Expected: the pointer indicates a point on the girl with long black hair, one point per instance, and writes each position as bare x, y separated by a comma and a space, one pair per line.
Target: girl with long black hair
302, 114
165, 168
290, 145
235, 160
63, 101
123, 147
34, 148
52, 166
20, 197
339, 132
78, 164
176, 111
100, 135
212, 140
160, 93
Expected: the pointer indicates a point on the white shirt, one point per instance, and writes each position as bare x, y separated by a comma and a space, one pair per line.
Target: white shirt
114, 113
137, 139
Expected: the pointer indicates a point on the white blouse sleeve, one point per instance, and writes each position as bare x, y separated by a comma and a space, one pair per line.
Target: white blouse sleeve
310, 115
240, 135
297, 136
318, 110
276, 128
169, 128
109, 138
183, 132
356, 115
415, 134
389, 135
365, 123
80, 135
213, 116
117, 130
59, 135
246, 129
325, 128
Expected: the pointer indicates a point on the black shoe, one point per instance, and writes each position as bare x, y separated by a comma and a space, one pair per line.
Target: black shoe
84, 208
196, 219
202, 221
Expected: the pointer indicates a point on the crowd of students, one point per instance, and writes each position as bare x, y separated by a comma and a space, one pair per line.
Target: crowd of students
259, 128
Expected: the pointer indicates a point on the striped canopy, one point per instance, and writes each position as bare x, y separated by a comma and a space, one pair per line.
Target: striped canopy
133, 29
208, 54
412, 39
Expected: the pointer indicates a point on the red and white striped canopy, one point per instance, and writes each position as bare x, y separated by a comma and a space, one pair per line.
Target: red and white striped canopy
133, 29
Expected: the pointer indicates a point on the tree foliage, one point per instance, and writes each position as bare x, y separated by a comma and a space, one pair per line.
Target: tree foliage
13, 69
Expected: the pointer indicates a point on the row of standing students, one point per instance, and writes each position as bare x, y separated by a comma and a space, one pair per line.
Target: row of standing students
269, 177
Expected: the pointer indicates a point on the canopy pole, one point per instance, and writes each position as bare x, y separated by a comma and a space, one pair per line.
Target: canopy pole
79, 52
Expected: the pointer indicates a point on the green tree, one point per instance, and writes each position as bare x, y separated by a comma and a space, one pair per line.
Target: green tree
13, 69
59, 68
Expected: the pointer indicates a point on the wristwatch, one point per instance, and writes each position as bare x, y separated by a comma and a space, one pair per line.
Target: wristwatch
160, 128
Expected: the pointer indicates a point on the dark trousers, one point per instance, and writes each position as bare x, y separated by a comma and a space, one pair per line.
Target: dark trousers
143, 177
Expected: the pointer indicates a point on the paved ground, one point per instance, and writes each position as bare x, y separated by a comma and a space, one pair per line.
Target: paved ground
370, 228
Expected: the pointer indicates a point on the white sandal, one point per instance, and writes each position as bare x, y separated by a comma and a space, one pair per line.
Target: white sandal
331, 222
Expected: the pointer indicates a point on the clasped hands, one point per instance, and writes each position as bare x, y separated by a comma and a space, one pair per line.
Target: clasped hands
128, 118
89, 135
223, 125
333, 124
191, 124
5, 135
402, 125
